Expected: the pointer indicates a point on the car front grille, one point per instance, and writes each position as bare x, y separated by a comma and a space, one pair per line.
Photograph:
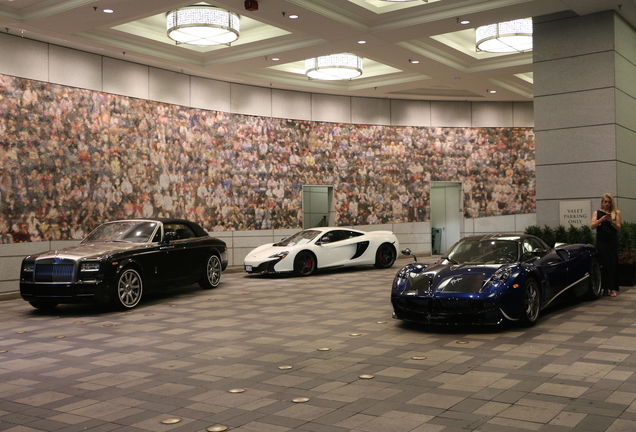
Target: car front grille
54, 270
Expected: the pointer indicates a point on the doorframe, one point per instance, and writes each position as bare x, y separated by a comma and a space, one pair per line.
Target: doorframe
447, 212
310, 218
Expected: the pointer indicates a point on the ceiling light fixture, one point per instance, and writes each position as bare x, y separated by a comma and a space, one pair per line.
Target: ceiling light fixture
334, 67
505, 37
202, 25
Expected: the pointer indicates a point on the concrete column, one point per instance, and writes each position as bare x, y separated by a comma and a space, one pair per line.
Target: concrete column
585, 112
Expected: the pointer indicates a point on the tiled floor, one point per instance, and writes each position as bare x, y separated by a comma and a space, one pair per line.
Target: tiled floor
239, 357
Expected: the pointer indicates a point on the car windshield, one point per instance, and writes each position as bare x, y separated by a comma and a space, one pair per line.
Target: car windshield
483, 251
299, 238
123, 231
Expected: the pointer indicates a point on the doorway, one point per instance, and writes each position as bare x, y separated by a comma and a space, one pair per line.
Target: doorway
318, 206
446, 215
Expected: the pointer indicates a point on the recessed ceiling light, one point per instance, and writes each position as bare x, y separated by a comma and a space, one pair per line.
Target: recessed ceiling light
275, 59
414, 61
464, 22
108, 11
492, 91
293, 16
361, 42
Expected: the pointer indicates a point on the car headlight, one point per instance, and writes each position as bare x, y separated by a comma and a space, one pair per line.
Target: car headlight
500, 277
401, 279
89, 267
280, 255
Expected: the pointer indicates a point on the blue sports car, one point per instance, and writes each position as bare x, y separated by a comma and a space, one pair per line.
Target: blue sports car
489, 279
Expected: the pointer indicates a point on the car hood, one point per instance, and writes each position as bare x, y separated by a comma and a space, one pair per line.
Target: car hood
451, 278
93, 250
266, 251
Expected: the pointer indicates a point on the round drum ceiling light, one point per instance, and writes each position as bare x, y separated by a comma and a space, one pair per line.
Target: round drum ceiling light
505, 37
202, 25
334, 67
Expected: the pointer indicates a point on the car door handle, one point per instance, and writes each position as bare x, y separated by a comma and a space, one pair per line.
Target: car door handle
167, 247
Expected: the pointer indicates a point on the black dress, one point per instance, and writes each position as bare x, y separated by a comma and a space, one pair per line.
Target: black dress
607, 247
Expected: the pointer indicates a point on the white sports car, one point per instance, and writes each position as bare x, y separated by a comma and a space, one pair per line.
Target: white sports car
320, 248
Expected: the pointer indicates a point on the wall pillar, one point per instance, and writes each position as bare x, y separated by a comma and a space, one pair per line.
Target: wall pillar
584, 109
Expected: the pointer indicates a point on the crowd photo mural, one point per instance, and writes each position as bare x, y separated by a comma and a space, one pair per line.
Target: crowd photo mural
71, 159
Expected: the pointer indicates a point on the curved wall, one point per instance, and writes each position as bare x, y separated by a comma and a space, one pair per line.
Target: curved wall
63, 68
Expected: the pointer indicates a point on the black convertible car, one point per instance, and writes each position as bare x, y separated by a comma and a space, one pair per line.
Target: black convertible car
120, 260
489, 279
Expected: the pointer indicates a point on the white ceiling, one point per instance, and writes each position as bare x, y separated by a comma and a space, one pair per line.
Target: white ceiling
396, 35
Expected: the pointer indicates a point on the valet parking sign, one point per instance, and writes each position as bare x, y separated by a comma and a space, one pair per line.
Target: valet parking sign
575, 213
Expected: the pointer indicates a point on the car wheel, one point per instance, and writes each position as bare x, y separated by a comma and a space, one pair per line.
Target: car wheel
305, 264
212, 276
129, 289
595, 286
43, 305
531, 303
385, 256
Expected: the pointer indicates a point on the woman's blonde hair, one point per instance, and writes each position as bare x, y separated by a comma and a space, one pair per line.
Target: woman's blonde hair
612, 204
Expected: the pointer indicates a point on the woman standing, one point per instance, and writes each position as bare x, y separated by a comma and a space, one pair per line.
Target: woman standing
608, 221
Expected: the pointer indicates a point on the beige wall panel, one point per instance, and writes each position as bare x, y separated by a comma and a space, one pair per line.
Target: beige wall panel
169, 87
523, 114
572, 74
469, 227
330, 108
625, 36
451, 114
627, 206
10, 268
24, 58
491, 114
573, 37
626, 110
410, 113
125, 78
75, 68
251, 100
582, 144
495, 224
626, 180
595, 107
210, 94
626, 147
563, 181
626, 192
10, 287
371, 111
24, 249
291, 105
626, 76
523, 221
548, 213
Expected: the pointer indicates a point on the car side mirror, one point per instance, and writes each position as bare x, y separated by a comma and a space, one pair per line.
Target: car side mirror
408, 252
170, 236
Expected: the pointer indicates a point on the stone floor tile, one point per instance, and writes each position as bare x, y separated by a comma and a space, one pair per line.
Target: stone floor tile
179, 353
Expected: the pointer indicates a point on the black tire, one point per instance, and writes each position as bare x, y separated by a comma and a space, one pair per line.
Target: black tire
43, 305
531, 305
304, 264
129, 289
385, 256
595, 286
212, 273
